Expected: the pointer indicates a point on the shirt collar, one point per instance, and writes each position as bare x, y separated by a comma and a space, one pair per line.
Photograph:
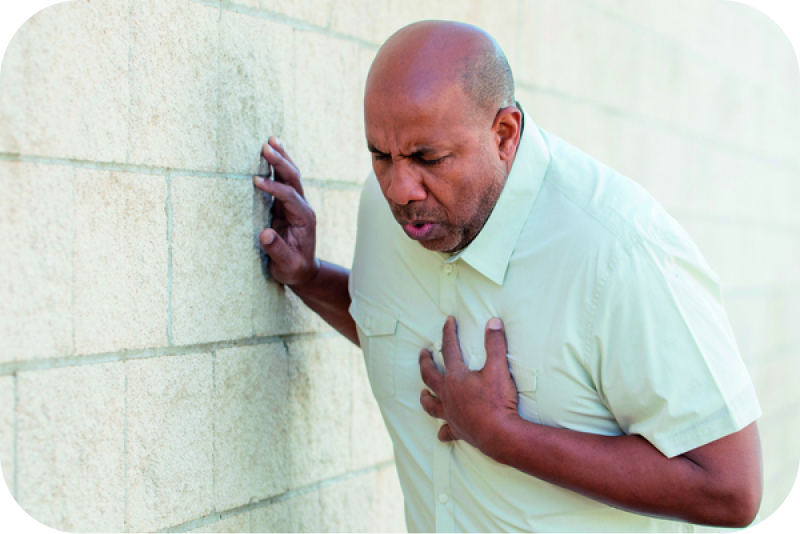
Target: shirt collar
490, 251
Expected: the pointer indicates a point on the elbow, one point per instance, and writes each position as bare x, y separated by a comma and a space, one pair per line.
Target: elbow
736, 508
746, 507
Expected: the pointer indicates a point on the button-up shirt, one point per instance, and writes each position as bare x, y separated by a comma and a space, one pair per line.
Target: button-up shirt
614, 323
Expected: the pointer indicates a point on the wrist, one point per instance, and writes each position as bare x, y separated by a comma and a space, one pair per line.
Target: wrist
315, 270
501, 442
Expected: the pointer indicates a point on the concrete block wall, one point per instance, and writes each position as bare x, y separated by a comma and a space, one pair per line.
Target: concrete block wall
152, 379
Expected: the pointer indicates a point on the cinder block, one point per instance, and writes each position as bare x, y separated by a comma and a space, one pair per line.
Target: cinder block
256, 96
320, 408
298, 514
237, 523
391, 516
213, 259
370, 21
36, 240
13, 96
366, 503
315, 12
7, 430
174, 84
74, 80
251, 422
370, 442
328, 141
349, 505
70, 424
336, 226
169, 441
120, 261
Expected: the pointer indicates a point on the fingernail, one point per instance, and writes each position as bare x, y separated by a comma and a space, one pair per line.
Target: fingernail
269, 239
269, 149
495, 324
258, 179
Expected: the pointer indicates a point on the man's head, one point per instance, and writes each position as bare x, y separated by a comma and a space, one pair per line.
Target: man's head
442, 129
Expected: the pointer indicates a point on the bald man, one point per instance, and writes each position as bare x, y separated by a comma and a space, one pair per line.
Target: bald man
547, 346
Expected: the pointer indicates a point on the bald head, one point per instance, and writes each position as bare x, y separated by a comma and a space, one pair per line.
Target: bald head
428, 58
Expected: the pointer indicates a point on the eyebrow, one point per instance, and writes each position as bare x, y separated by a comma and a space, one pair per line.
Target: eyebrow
421, 150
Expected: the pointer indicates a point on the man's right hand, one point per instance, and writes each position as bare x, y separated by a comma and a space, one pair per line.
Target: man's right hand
291, 240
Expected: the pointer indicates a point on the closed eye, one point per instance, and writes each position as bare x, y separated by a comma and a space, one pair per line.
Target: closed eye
431, 162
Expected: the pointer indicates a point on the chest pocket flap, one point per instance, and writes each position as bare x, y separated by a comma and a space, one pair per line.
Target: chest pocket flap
378, 326
372, 318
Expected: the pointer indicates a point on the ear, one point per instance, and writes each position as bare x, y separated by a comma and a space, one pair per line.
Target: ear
507, 128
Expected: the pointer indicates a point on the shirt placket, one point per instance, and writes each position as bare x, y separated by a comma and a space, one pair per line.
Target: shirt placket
442, 455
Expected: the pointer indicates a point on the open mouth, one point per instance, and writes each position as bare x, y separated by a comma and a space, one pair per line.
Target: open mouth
419, 230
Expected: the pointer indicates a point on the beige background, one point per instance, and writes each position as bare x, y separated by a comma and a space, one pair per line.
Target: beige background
152, 379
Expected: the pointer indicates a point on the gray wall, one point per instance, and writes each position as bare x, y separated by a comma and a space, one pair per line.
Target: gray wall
150, 376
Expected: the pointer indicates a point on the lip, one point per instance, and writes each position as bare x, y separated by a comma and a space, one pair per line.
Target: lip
419, 234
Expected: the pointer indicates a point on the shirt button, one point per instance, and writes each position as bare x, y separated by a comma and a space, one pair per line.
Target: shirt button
447, 268
443, 498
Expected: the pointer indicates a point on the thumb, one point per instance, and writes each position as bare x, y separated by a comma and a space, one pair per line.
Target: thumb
276, 248
495, 344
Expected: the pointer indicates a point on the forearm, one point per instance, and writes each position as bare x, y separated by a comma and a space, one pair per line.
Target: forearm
627, 472
328, 296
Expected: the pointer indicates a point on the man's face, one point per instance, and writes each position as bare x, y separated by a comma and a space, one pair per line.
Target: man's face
436, 164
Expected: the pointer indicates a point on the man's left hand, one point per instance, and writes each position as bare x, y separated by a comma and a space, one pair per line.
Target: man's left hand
475, 405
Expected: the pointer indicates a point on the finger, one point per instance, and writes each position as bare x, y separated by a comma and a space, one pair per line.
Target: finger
446, 433
295, 207
277, 249
432, 405
494, 340
450, 351
285, 170
430, 374
276, 144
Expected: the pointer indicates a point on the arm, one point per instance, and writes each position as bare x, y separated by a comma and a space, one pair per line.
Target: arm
291, 241
716, 484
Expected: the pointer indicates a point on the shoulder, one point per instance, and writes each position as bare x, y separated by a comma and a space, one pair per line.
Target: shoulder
607, 204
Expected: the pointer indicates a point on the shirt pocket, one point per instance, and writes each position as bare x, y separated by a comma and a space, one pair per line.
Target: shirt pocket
378, 335
527, 382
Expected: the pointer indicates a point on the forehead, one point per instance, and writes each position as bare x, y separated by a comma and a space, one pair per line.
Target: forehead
401, 121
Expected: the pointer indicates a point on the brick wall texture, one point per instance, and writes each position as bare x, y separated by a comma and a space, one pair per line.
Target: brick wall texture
152, 378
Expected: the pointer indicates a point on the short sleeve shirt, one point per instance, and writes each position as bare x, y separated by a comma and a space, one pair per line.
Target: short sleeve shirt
614, 321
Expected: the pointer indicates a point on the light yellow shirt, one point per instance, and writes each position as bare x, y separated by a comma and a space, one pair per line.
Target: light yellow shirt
614, 321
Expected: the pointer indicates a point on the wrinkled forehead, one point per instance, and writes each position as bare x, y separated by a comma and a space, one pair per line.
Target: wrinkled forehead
395, 119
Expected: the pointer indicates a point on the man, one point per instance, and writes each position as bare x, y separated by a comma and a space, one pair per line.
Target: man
605, 392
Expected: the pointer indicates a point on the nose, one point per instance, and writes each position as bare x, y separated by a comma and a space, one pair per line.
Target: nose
404, 183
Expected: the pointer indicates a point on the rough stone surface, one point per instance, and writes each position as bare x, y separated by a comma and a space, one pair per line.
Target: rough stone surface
328, 141
237, 523
316, 12
7, 430
297, 514
36, 240
213, 259
169, 441
320, 409
251, 422
336, 226
256, 88
120, 261
174, 84
69, 63
70, 424
370, 502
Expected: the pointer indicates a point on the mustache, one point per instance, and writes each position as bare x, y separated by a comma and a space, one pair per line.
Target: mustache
411, 212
